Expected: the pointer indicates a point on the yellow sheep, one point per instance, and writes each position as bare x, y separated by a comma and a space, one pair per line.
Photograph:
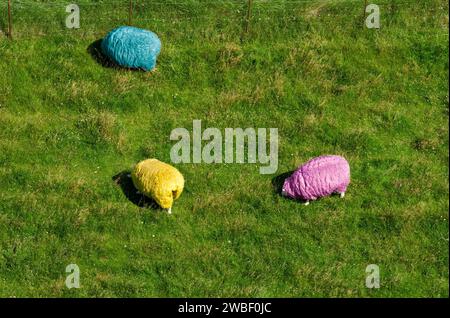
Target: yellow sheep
158, 180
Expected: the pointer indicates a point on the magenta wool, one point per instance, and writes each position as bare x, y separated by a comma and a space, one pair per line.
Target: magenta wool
317, 178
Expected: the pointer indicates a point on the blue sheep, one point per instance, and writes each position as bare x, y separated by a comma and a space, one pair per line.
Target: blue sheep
132, 47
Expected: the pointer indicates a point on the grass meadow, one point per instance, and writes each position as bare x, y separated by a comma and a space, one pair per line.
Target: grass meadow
71, 127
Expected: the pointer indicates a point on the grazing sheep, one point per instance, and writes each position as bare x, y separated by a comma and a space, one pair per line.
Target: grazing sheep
158, 180
132, 47
317, 178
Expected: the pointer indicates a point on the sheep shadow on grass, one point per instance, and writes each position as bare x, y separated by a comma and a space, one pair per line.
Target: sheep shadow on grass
278, 181
123, 180
277, 184
95, 50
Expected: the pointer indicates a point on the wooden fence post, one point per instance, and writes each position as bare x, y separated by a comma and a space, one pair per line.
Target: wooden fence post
130, 12
249, 15
9, 20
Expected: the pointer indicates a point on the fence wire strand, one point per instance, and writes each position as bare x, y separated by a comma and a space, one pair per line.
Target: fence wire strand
231, 10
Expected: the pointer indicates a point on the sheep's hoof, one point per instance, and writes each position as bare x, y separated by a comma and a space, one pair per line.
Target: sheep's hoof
306, 203
169, 211
342, 194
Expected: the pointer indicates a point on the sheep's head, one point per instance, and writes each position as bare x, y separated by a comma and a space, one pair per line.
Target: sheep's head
286, 190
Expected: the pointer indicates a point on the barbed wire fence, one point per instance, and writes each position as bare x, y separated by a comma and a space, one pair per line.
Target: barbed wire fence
134, 12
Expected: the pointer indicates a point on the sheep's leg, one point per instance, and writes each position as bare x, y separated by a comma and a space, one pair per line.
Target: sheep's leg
342, 194
169, 210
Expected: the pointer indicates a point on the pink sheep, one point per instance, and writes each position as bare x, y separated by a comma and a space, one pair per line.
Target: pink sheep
317, 178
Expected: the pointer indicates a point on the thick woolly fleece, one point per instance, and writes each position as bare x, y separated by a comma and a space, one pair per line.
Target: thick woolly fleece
158, 180
132, 47
317, 178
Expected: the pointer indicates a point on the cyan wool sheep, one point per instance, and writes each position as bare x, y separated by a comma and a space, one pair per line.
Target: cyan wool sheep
317, 178
132, 47
158, 180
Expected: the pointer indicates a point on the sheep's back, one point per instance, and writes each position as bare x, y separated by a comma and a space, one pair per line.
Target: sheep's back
322, 176
158, 180
132, 47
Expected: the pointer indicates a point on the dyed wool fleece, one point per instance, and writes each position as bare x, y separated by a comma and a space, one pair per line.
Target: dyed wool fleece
158, 180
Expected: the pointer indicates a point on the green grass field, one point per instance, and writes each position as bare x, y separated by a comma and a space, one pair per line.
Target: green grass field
69, 125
